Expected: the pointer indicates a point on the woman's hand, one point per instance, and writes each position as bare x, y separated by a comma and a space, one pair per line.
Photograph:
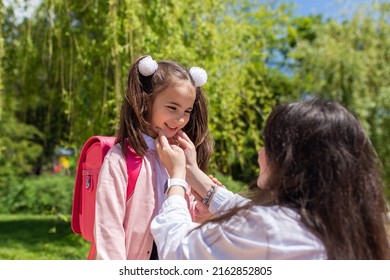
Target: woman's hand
216, 181
189, 148
171, 156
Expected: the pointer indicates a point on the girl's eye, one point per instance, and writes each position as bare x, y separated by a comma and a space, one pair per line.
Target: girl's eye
188, 112
171, 108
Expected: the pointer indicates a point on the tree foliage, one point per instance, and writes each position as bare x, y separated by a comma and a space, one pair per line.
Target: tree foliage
350, 62
63, 71
68, 65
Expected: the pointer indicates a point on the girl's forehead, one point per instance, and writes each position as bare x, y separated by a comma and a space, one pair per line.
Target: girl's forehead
184, 89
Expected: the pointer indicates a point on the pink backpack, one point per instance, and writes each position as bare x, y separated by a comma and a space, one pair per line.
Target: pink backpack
84, 197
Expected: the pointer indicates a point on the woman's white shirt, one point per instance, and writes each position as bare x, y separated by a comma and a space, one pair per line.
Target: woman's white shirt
260, 232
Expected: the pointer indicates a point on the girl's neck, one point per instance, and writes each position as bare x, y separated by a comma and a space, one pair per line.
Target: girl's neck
151, 133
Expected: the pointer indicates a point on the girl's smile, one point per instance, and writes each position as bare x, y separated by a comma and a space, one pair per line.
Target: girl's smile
171, 109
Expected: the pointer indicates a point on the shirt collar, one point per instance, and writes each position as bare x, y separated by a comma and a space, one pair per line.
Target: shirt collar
150, 142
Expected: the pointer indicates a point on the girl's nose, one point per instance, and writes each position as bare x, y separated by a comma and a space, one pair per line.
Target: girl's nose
180, 118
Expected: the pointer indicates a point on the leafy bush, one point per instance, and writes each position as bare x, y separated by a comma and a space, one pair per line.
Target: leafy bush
232, 185
53, 194
46, 194
19, 148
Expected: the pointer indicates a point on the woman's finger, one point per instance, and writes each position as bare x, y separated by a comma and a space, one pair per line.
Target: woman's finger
173, 141
183, 143
162, 139
216, 181
183, 139
182, 134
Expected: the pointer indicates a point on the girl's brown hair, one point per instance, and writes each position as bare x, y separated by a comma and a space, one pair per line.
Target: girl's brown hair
140, 94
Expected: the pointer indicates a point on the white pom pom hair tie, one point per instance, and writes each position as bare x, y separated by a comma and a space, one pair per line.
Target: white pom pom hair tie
147, 66
199, 76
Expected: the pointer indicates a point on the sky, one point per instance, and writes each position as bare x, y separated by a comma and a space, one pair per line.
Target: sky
21, 13
329, 8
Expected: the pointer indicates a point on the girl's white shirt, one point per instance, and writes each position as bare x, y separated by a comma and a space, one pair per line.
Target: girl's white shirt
267, 233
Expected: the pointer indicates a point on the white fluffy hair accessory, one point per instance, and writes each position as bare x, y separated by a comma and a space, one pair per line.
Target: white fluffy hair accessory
199, 76
147, 66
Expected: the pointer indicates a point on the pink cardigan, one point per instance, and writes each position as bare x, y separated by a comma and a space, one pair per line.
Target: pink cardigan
122, 228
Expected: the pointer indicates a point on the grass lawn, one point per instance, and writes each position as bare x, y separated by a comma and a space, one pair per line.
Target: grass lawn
32, 237
45, 237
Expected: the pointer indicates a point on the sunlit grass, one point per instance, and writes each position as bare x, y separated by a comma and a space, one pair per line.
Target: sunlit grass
29, 237
50, 237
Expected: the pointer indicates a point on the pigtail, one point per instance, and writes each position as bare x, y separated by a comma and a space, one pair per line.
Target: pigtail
197, 130
133, 112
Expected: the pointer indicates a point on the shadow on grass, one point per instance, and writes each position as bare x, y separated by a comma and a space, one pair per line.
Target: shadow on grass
40, 238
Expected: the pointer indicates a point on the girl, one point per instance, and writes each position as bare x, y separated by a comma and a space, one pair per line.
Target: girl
163, 96
320, 197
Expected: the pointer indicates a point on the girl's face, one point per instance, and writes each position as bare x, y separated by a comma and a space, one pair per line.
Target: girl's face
172, 107
263, 174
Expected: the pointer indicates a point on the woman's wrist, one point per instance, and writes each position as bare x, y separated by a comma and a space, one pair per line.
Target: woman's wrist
199, 181
175, 184
178, 172
209, 195
179, 175
176, 190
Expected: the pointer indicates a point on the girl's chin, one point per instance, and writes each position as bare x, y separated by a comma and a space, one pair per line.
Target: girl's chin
169, 133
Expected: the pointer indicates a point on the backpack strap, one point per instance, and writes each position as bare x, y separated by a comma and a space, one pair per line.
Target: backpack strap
133, 164
92, 251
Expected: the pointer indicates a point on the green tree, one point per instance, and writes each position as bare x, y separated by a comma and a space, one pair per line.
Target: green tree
350, 62
65, 68
1, 60
67, 65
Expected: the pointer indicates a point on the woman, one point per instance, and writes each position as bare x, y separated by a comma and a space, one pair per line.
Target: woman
320, 194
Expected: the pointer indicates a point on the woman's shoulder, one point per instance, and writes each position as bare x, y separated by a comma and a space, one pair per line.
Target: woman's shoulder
275, 214
281, 223
270, 219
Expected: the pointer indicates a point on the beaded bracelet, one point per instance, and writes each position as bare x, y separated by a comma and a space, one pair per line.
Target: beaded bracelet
207, 198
